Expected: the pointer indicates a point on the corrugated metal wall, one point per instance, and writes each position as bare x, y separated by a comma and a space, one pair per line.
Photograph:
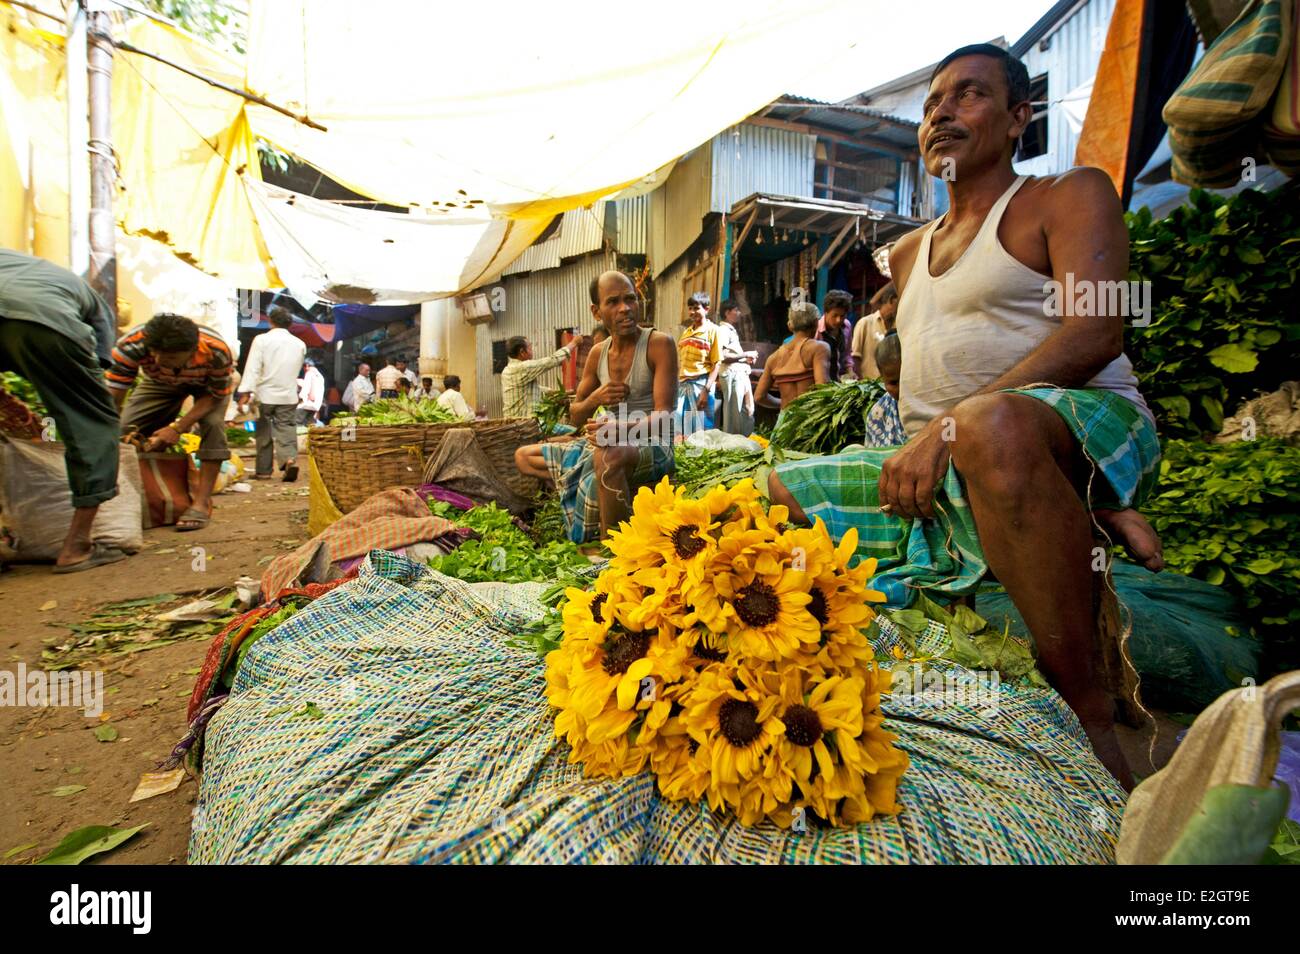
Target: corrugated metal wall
749, 159
678, 207
633, 225
536, 306
1070, 59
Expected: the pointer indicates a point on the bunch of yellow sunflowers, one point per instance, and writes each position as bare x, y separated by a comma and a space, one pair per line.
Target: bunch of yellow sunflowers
724, 649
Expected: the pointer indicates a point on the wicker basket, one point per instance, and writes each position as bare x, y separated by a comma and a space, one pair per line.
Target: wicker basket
384, 456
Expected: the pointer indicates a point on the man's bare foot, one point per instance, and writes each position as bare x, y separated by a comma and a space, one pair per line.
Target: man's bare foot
1138, 537
1105, 743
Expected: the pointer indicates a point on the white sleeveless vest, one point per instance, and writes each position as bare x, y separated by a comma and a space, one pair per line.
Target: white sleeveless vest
965, 329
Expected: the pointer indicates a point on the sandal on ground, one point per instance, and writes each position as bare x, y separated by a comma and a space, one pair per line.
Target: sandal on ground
291, 472
194, 516
99, 555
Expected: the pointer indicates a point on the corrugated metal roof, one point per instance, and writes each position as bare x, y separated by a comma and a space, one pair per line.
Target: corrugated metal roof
536, 306
851, 121
748, 159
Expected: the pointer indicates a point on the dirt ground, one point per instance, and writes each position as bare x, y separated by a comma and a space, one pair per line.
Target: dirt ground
43, 749
146, 693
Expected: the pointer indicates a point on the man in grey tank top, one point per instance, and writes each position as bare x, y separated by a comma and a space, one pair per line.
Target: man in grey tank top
1023, 402
631, 379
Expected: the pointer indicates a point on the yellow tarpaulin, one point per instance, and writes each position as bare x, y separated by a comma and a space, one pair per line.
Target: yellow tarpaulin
182, 147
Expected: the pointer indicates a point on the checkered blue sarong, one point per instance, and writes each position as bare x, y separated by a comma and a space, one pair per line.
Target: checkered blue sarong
944, 555
572, 467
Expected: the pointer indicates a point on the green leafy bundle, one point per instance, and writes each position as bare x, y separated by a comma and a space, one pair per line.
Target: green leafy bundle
1230, 515
23, 390
552, 409
238, 437
825, 418
1221, 273
388, 411
502, 551
698, 469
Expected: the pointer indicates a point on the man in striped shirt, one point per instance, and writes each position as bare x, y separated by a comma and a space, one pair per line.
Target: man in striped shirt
169, 359
521, 388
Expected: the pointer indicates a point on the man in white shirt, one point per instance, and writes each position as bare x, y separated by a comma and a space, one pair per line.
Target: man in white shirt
407, 373
386, 379
452, 399
311, 394
520, 387
737, 415
359, 390
426, 390
871, 330
272, 375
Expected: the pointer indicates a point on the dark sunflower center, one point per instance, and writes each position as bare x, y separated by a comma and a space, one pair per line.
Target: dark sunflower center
711, 653
596, 604
686, 543
802, 727
757, 604
738, 720
624, 650
817, 605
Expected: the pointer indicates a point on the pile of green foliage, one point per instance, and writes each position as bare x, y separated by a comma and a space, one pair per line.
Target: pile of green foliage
22, 389
827, 417
548, 524
1230, 515
698, 469
1221, 273
396, 411
502, 551
238, 437
552, 409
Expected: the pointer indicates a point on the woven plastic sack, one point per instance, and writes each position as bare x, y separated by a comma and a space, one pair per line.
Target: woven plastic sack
1183, 643
36, 503
1236, 741
431, 741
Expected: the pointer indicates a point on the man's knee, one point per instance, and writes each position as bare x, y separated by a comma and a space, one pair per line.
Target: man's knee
992, 431
615, 458
524, 455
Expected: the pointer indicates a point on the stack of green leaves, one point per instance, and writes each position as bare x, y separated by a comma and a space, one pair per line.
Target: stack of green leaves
502, 551
698, 469
1221, 272
552, 409
388, 411
1230, 515
827, 417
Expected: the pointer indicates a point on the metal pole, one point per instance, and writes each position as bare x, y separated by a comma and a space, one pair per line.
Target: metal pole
103, 177
78, 137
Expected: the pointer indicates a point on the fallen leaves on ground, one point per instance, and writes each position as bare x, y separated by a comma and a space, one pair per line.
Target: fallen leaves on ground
157, 783
87, 842
63, 791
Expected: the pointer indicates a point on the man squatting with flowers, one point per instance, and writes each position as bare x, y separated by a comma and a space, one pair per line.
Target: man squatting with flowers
1040, 415
633, 374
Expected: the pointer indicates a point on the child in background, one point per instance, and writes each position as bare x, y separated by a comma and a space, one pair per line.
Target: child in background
884, 426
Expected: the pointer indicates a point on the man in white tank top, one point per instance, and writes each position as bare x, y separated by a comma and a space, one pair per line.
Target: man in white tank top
633, 376
976, 319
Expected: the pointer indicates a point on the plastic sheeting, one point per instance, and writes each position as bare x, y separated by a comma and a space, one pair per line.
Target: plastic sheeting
183, 149
332, 253
530, 110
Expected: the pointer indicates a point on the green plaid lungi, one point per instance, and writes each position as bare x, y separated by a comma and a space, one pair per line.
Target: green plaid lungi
944, 555
572, 467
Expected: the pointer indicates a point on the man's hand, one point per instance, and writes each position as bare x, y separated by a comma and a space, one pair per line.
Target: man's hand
591, 430
703, 403
610, 394
908, 479
163, 437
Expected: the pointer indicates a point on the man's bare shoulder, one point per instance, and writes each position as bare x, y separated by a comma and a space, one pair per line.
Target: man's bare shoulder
1072, 189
